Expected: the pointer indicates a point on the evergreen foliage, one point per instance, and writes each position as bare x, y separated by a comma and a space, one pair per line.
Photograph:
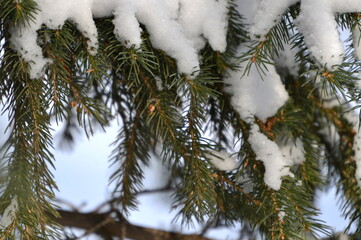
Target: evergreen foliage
186, 116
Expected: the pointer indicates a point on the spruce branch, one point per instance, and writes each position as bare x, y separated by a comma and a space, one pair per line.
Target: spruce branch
29, 179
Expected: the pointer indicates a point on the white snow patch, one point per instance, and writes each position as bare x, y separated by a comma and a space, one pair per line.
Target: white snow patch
281, 214
267, 151
255, 94
357, 150
316, 22
178, 27
268, 14
285, 61
222, 160
292, 150
126, 25
9, 213
214, 24
356, 37
247, 8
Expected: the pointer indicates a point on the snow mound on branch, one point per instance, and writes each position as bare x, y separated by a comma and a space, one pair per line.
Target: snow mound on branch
222, 160
292, 150
316, 22
274, 161
255, 94
178, 27
268, 13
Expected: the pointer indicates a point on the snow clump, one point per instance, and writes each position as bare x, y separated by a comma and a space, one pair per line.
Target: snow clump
178, 27
256, 95
316, 22
274, 161
222, 160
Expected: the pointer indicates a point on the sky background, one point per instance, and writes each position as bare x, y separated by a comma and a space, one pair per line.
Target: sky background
82, 176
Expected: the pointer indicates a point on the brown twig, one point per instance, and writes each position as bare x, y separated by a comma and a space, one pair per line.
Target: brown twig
107, 225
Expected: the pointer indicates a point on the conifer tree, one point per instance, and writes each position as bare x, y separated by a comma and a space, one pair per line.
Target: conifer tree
250, 102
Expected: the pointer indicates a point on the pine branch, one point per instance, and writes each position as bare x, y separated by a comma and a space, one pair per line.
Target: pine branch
29, 178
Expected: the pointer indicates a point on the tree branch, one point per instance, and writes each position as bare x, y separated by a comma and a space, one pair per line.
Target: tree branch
105, 224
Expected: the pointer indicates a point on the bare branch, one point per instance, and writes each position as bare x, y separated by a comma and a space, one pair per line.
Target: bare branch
105, 224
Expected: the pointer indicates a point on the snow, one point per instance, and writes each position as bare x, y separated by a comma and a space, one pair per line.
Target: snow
167, 34
24, 42
353, 119
255, 94
357, 150
356, 37
212, 27
260, 95
9, 213
247, 8
267, 151
285, 61
269, 13
222, 160
173, 26
316, 22
281, 214
127, 28
292, 149
299, 183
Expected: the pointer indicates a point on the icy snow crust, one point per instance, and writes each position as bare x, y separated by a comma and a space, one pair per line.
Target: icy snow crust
178, 27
